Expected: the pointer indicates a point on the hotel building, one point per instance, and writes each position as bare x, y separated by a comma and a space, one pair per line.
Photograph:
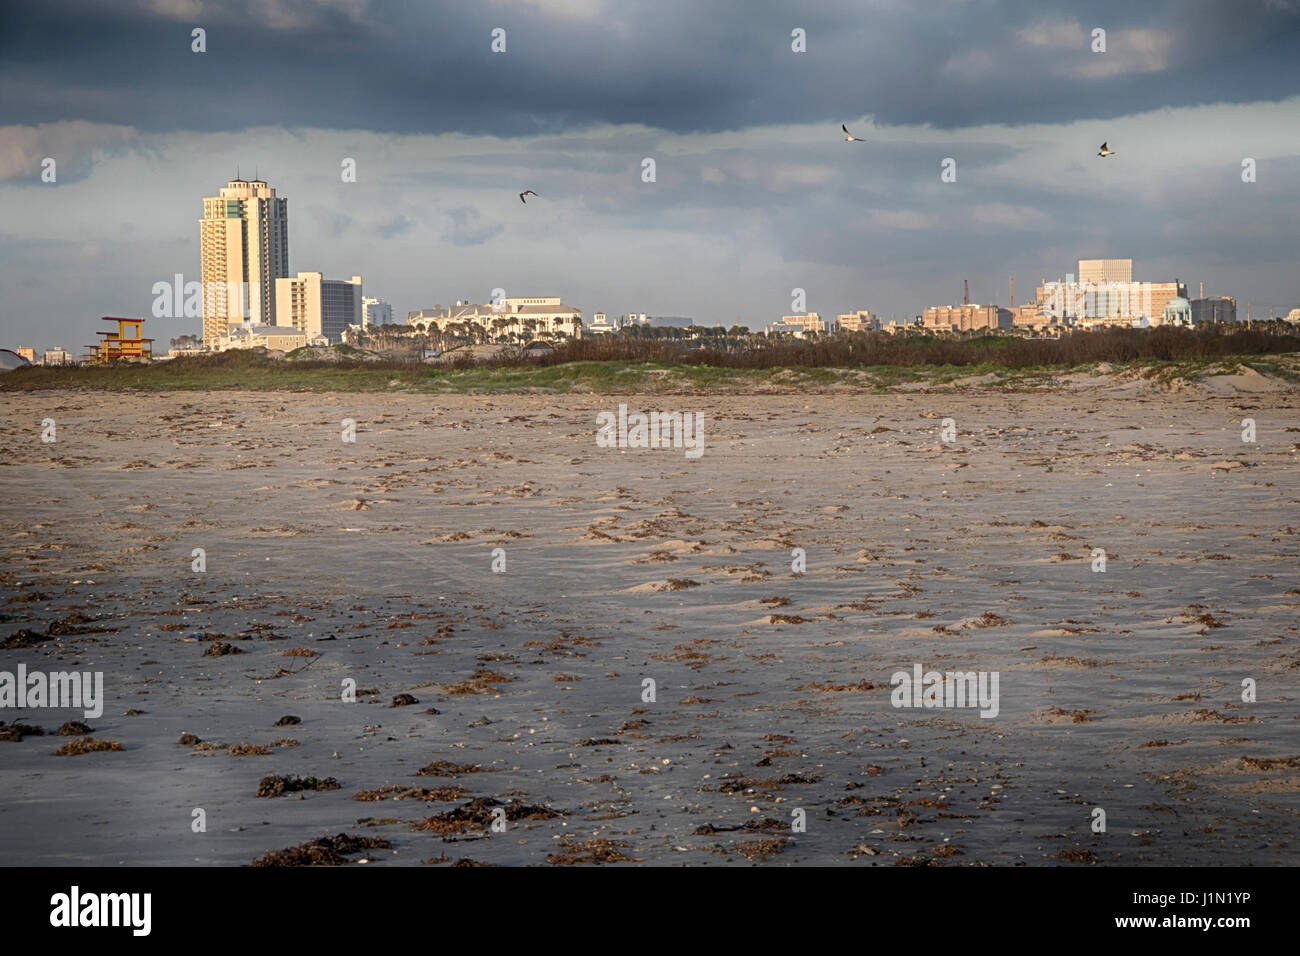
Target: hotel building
526, 318
243, 249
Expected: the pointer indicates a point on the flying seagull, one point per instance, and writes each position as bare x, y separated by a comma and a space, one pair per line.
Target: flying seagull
526, 192
849, 137
1106, 151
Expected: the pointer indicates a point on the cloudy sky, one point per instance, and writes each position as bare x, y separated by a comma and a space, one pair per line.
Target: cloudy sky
756, 192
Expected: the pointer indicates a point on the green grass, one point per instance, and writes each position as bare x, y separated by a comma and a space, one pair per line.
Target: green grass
250, 372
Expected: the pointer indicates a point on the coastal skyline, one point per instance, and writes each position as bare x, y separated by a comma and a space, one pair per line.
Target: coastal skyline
972, 548
755, 193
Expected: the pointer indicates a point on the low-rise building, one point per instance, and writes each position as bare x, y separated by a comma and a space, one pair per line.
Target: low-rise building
1031, 316
894, 326
803, 324
965, 318
56, 356
1178, 311
506, 320
282, 338
860, 321
599, 325
27, 352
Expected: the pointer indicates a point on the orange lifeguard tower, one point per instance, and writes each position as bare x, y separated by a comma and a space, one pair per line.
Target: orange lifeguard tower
127, 342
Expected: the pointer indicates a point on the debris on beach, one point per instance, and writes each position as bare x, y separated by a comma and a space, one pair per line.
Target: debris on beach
276, 786
323, 851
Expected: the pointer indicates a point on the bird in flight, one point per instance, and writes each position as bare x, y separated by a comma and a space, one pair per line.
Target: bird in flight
526, 192
849, 137
1105, 151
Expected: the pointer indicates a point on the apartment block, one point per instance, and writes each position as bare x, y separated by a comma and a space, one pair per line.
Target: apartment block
317, 306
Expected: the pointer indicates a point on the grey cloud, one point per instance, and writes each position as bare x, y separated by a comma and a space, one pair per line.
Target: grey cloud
468, 228
428, 67
329, 222
398, 226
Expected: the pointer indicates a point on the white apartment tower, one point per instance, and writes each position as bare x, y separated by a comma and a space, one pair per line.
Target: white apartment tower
375, 312
243, 249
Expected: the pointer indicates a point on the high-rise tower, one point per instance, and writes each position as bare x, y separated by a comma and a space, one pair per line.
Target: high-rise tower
243, 248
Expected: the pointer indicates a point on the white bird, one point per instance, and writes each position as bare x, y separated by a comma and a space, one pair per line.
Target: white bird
1105, 151
849, 137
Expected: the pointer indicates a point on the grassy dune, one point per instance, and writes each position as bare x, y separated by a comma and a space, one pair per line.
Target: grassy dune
621, 366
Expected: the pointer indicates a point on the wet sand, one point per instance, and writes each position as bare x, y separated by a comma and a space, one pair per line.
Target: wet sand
372, 562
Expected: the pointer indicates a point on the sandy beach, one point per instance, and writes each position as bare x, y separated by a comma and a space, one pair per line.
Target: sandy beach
370, 564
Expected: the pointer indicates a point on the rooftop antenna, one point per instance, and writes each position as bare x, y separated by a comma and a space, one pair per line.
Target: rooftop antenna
965, 298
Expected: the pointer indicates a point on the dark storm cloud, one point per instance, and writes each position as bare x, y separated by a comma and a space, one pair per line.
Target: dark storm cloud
676, 64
